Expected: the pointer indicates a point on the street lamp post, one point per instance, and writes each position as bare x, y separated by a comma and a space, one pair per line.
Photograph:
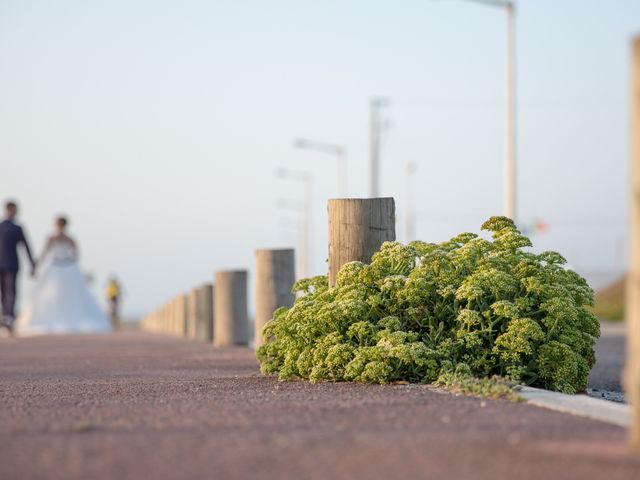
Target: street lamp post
509, 198
376, 127
307, 180
298, 227
410, 220
330, 149
510, 154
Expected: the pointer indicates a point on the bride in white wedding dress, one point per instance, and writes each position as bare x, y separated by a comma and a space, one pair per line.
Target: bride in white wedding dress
61, 301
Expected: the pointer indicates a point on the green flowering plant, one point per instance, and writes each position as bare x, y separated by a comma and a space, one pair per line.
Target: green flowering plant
422, 311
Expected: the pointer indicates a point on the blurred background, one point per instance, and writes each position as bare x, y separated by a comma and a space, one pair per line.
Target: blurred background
162, 128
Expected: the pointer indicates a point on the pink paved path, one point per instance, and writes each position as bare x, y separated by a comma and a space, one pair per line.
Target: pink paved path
140, 406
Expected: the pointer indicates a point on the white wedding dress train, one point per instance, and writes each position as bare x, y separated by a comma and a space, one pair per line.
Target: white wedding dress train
61, 301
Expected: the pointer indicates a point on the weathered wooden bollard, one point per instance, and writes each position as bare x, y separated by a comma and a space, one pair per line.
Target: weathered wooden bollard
204, 325
275, 275
157, 324
175, 317
632, 365
166, 324
171, 317
166, 319
230, 317
357, 229
183, 314
179, 315
192, 313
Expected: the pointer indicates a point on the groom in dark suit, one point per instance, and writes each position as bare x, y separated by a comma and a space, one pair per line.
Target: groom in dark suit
11, 235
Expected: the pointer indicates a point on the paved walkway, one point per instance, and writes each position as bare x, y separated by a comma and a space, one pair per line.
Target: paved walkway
141, 406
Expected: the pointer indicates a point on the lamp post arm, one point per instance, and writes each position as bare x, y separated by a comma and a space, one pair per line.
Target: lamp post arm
493, 3
336, 151
321, 147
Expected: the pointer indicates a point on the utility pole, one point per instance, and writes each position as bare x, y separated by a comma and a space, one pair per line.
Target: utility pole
509, 170
376, 128
298, 228
410, 214
510, 153
307, 179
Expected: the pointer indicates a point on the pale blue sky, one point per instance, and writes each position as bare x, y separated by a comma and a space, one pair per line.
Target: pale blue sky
157, 125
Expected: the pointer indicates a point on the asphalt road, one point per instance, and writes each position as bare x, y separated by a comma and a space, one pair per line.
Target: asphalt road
606, 374
133, 406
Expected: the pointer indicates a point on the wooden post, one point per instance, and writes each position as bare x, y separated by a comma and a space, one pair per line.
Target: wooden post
231, 322
171, 321
275, 275
179, 324
165, 319
182, 314
192, 313
357, 229
632, 365
203, 311
174, 316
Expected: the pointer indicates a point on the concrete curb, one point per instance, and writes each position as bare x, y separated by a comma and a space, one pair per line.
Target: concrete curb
581, 405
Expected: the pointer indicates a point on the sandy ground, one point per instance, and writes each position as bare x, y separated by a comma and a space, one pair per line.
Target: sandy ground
134, 405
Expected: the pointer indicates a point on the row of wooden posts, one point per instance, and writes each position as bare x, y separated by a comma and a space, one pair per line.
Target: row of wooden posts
357, 227
218, 312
